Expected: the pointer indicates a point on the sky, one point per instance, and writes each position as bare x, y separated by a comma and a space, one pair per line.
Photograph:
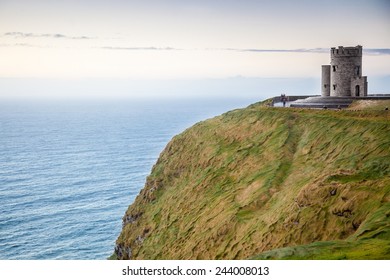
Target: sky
186, 40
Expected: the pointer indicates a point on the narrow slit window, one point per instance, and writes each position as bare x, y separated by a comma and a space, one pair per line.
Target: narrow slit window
334, 87
334, 68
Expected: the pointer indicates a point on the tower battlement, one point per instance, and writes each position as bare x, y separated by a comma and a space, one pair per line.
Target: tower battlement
346, 51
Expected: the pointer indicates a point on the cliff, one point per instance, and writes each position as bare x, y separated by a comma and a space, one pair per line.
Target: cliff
267, 183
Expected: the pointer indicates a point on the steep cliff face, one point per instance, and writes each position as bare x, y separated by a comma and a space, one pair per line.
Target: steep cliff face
260, 179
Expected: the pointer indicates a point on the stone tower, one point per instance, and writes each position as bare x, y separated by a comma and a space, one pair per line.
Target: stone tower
343, 77
325, 80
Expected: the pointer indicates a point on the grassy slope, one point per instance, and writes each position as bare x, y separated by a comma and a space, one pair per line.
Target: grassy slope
315, 183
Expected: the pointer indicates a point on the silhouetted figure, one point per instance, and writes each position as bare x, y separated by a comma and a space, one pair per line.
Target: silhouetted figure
283, 98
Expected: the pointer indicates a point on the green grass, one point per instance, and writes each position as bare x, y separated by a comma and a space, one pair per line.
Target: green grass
375, 249
269, 183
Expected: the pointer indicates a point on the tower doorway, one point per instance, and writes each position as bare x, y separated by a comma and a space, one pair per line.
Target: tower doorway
357, 90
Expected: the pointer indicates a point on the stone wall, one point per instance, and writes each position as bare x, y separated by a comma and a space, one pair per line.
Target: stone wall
325, 80
359, 86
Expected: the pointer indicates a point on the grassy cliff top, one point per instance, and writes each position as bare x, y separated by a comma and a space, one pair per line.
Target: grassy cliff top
268, 183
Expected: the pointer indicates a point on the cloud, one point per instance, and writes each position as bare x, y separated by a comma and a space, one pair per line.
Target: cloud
302, 50
140, 48
316, 50
377, 51
368, 51
44, 35
22, 45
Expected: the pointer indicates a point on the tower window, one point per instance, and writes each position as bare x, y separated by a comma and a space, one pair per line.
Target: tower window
358, 70
334, 68
334, 87
324, 86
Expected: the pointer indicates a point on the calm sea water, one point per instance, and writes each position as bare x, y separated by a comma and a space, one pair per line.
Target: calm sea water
69, 170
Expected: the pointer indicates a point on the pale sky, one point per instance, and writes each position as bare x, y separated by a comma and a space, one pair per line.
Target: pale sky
179, 39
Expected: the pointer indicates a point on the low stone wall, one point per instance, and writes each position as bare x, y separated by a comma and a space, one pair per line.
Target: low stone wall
331, 102
291, 98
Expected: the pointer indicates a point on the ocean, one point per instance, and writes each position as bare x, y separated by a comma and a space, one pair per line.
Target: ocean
70, 169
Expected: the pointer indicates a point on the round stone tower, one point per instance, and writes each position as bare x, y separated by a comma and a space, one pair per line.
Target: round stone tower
345, 65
